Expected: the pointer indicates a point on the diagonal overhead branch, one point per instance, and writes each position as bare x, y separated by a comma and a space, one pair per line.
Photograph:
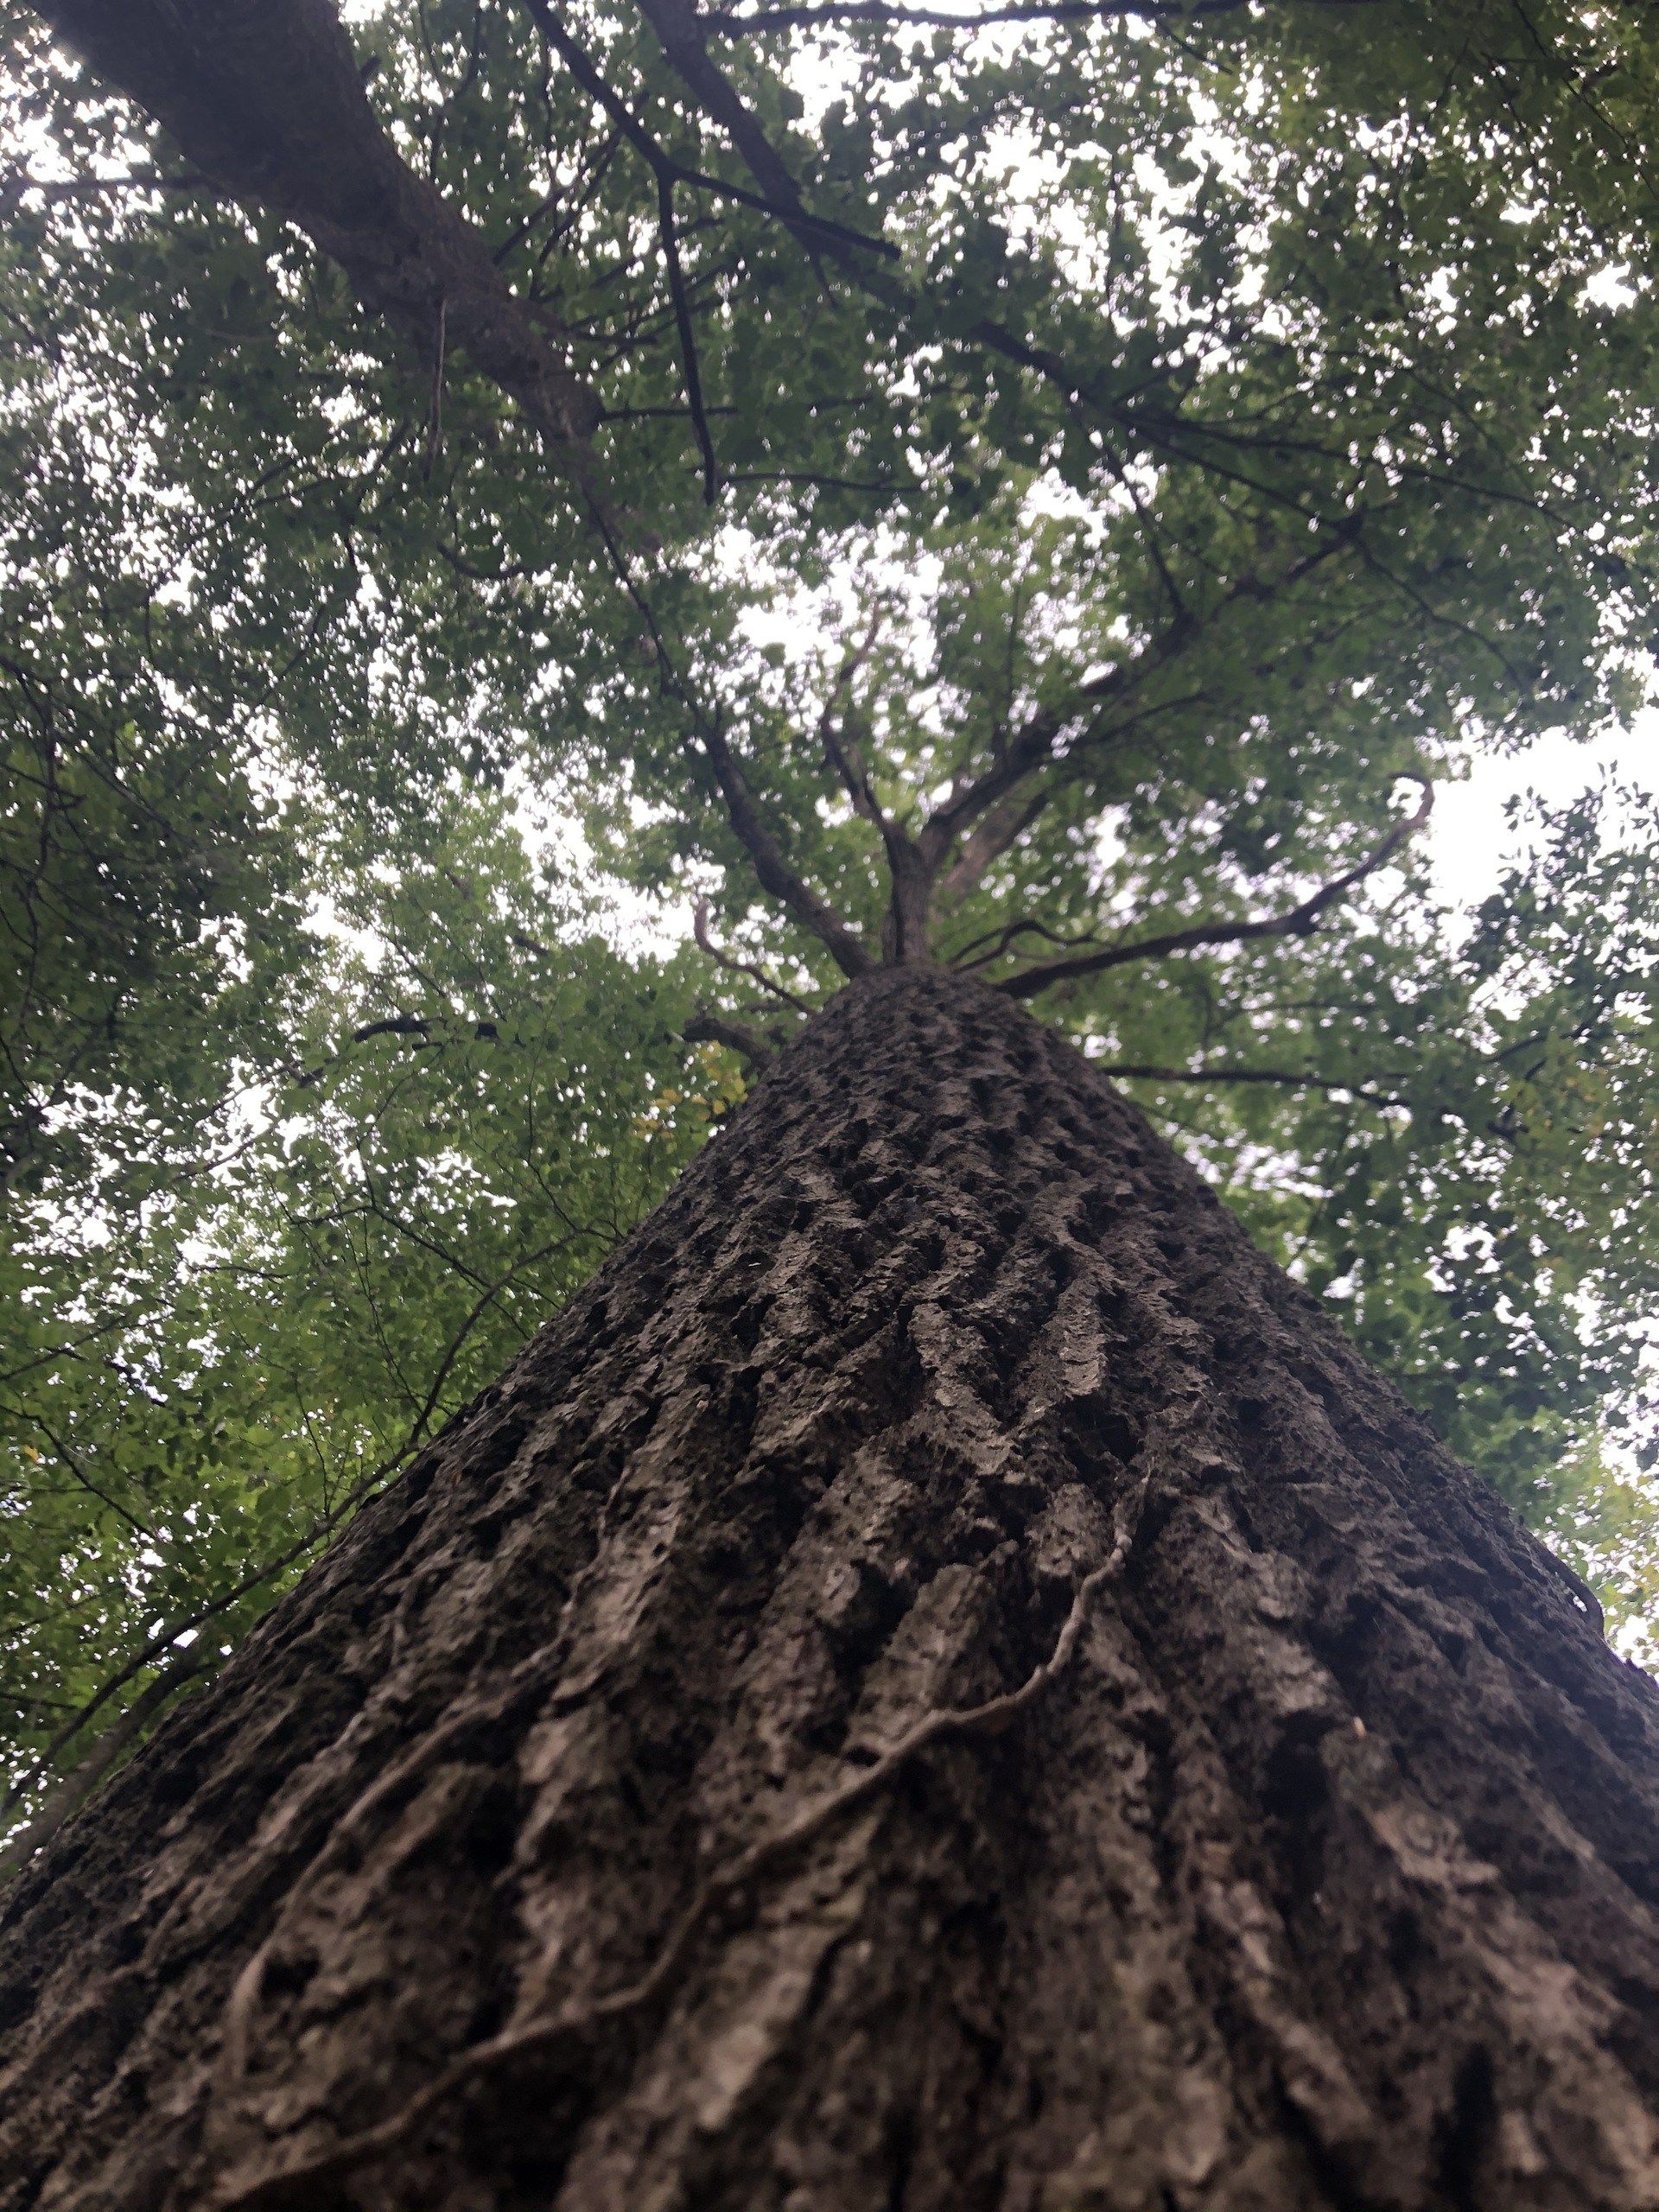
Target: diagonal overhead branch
995, 794
1031, 748
1301, 920
791, 891
683, 36
268, 102
1000, 827
997, 801
680, 35
815, 231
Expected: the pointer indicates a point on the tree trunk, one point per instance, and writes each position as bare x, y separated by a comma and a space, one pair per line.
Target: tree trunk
549, 1845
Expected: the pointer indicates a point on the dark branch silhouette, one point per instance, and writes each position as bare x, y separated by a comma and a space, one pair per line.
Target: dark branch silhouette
734, 966
791, 890
1301, 920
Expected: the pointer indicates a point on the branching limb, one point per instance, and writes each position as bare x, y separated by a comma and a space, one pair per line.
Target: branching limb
1297, 921
736, 967
995, 942
1038, 741
1288, 1078
839, 749
277, 116
730, 1888
707, 1028
792, 892
821, 230
1001, 826
680, 35
70, 1460
905, 932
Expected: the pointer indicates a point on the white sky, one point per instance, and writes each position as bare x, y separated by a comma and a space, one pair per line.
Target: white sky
1468, 836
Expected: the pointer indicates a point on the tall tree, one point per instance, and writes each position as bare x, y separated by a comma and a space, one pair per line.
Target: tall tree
1043, 507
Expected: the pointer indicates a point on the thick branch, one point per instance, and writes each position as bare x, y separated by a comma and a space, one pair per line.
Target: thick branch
395, 1024
816, 230
1004, 825
1297, 921
706, 1028
268, 102
791, 891
680, 35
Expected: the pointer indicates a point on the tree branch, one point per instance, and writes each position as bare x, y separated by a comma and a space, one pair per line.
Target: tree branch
905, 929
792, 892
1291, 1078
821, 229
680, 35
707, 1028
998, 940
395, 1024
688, 336
736, 967
1002, 825
270, 105
1301, 920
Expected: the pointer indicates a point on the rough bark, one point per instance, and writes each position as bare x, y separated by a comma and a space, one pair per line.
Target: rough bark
1323, 1873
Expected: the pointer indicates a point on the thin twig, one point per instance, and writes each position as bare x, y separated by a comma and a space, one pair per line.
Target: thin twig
1290, 1078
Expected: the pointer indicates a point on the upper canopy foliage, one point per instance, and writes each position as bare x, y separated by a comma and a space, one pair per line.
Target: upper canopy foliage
1046, 488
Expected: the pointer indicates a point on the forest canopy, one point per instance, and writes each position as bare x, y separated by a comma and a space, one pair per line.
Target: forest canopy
535, 541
